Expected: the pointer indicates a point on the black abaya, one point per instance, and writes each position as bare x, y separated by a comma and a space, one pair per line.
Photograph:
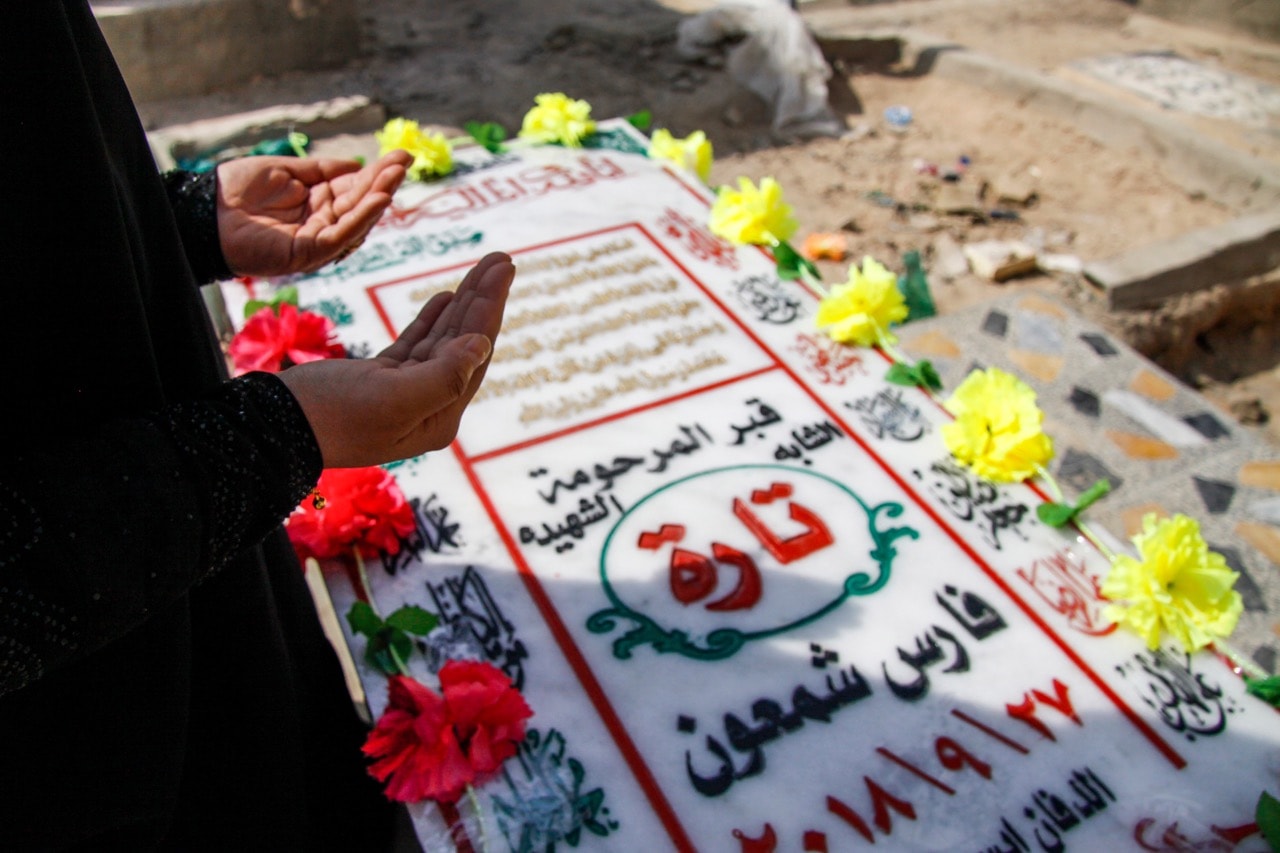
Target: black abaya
163, 678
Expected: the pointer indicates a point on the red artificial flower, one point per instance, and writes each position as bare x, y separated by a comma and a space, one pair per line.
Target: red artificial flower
362, 508
431, 747
417, 753
488, 714
271, 341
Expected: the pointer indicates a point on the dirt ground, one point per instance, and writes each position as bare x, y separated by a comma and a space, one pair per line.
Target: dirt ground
449, 61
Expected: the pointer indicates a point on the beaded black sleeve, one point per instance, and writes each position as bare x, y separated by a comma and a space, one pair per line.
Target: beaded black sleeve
194, 199
249, 486
97, 535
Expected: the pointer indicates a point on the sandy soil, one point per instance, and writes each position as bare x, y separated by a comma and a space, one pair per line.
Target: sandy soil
450, 61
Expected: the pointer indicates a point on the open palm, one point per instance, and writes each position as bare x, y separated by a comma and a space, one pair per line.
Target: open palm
279, 215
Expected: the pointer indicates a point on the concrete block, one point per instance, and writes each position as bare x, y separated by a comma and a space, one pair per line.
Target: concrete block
182, 48
357, 115
1147, 276
1196, 163
1257, 18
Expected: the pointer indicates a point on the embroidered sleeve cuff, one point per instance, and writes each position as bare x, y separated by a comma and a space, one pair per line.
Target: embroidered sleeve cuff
194, 199
255, 451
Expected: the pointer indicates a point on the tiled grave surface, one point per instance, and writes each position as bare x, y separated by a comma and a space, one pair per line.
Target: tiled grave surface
1114, 414
1181, 84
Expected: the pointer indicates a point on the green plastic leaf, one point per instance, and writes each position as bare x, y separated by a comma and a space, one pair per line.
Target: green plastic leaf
900, 374
298, 141
1093, 494
1059, 515
363, 620
489, 134
1266, 689
1268, 817
387, 649
1055, 514
285, 294
401, 642
378, 655
914, 286
413, 619
791, 264
929, 375
922, 374
641, 120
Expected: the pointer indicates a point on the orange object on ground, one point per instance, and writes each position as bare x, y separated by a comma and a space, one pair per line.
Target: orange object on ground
819, 246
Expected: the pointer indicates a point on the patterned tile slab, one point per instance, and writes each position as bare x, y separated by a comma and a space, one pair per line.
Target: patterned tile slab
1135, 421
1110, 411
1115, 415
1182, 84
1033, 336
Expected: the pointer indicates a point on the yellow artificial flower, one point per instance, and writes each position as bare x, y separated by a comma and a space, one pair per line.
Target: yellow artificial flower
750, 215
1178, 585
997, 428
558, 118
431, 152
861, 310
692, 153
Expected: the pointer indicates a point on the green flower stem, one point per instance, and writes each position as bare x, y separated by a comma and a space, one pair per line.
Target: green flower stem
1085, 530
363, 575
882, 341
1247, 667
474, 800
813, 281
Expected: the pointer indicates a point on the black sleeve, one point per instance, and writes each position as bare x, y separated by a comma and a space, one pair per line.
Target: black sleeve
194, 199
98, 533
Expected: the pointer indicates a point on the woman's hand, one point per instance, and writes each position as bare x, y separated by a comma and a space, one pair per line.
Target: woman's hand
279, 215
410, 398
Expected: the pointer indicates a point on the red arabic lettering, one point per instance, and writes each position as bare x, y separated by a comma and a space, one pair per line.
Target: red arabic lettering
749, 589
766, 843
1025, 711
955, 757
693, 577
881, 802
816, 536
1066, 585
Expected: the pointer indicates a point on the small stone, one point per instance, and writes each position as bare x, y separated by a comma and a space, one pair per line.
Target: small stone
1215, 494
1261, 475
1000, 260
996, 324
1061, 264
948, 259
1249, 411
684, 81
1152, 386
1141, 447
957, 199
1019, 189
1263, 537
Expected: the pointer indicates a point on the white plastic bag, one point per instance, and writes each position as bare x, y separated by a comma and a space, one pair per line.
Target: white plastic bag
774, 56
